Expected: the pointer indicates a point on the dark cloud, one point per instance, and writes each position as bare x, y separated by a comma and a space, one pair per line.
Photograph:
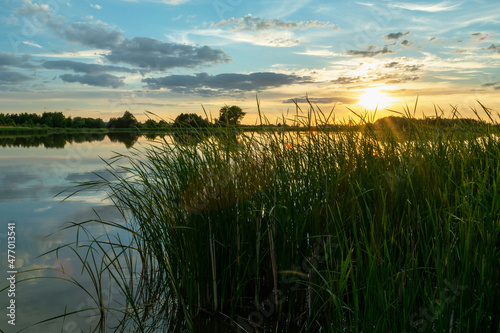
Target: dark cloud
492, 84
396, 35
413, 68
481, 36
393, 64
102, 80
395, 79
94, 36
325, 100
14, 77
346, 80
8, 59
401, 66
254, 23
391, 78
146, 53
152, 54
494, 47
204, 83
371, 51
80, 67
407, 43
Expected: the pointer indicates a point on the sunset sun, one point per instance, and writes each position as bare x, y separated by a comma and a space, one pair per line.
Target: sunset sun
372, 99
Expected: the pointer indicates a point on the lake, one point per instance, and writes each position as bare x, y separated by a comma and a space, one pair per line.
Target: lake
36, 176
32, 172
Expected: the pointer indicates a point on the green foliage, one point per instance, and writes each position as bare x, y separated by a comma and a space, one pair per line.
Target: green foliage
190, 120
231, 115
49, 120
359, 232
126, 121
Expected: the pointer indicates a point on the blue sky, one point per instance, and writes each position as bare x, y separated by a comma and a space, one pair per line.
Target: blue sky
99, 58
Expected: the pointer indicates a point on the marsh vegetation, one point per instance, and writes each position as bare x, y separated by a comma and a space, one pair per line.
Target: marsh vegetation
391, 228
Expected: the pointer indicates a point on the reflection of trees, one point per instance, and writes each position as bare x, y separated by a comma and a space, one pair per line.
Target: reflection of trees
187, 138
129, 139
51, 140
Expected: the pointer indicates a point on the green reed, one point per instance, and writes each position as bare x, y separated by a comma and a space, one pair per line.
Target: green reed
367, 229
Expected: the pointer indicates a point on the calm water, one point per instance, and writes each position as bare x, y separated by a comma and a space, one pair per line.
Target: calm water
30, 176
32, 172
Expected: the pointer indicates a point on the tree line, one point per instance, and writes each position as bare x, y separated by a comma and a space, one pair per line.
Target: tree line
49, 119
227, 116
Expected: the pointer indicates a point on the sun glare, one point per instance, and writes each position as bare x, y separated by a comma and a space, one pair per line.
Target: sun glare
373, 99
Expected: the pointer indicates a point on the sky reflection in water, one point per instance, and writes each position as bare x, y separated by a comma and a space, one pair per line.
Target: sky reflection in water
29, 180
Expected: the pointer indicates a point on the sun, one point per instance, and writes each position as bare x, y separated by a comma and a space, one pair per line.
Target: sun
372, 99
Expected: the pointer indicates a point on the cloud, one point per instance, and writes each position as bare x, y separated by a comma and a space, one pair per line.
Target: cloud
100, 37
344, 80
365, 4
273, 38
96, 6
481, 36
8, 59
431, 8
102, 80
144, 52
407, 43
80, 67
32, 43
494, 47
492, 84
396, 35
324, 100
254, 23
371, 51
30, 9
204, 83
153, 54
400, 66
319, 53
14, 77
42, 209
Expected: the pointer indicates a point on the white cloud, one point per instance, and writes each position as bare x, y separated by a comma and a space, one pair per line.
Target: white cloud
32, 43
250, 22
167, 2
319, 53
30, 9
96, 6
88, 54
438, 7
365, 4
261, 38
43, 209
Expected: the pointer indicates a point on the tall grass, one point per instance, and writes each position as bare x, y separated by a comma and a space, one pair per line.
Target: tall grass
381, 229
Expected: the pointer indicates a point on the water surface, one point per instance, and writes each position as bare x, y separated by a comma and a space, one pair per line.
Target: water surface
32, 172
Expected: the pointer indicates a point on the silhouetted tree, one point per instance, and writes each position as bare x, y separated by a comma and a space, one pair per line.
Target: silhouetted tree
231, 115
126, 121
190, 120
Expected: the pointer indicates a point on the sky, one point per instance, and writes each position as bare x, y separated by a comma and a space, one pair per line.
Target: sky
99, 58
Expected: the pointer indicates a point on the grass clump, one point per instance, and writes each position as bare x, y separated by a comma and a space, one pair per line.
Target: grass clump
368, 229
